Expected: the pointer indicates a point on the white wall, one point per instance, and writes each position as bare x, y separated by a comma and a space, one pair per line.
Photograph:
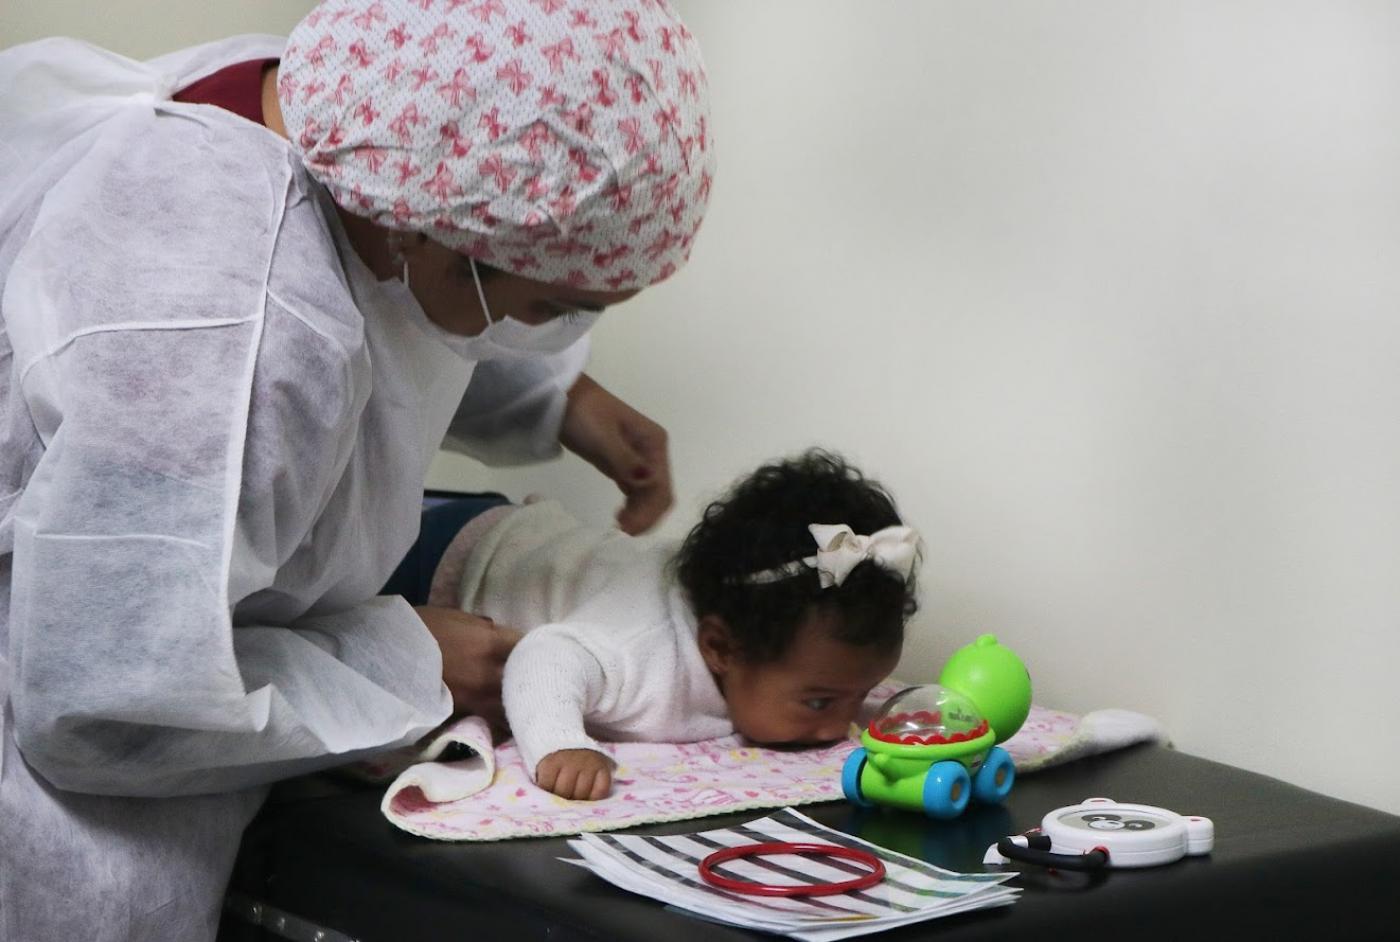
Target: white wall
145, 28
1109, 294
1105, 292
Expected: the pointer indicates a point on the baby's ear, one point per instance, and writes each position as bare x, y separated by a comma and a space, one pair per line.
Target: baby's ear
716, 644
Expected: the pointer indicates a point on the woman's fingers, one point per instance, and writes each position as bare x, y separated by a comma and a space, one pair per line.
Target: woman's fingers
474, 652
644, 509
625, 445
647, 483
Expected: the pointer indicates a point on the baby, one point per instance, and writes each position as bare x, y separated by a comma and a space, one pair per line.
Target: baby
774, 618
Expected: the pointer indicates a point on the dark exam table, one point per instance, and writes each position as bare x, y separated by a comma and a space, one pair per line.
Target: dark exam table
1288, 864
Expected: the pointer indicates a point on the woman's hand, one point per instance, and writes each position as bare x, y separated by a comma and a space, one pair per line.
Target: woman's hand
576, 774
474, 652
626, 446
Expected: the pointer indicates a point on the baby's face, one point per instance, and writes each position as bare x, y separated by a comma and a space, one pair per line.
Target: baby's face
809, 696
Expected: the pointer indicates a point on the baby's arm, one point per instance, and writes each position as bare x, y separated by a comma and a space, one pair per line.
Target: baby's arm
551, 682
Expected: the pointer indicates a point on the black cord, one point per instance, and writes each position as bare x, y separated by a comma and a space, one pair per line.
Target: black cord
1095, 859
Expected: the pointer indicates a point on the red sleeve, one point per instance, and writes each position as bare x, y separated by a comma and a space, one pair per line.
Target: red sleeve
236, 88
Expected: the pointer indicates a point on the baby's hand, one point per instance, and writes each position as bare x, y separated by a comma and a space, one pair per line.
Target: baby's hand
576, 774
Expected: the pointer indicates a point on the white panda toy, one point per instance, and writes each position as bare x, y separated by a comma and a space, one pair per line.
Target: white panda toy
1100, 832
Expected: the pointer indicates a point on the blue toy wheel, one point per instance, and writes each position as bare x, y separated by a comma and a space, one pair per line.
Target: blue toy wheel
850, 779
995, 778
947, 788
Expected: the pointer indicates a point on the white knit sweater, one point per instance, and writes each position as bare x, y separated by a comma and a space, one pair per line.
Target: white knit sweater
610, 649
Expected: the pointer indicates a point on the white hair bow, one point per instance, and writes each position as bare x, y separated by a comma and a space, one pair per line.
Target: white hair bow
840, 549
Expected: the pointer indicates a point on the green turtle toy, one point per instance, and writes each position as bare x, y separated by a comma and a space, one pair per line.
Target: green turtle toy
934, 747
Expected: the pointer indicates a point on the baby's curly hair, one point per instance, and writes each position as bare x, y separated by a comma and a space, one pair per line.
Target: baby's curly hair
762, 524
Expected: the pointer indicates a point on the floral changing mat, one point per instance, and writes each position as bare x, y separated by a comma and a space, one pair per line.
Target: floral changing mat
485, 795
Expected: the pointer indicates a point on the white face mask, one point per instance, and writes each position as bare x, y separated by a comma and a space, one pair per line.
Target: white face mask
516, 338
509, 338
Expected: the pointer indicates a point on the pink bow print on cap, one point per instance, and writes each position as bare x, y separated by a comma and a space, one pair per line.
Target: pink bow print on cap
563, 141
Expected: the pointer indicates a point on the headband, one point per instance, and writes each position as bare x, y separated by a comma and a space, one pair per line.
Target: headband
840, 549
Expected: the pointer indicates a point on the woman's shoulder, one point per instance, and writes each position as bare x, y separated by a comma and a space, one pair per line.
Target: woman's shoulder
180, 209
218, 195
190, 219
189, 169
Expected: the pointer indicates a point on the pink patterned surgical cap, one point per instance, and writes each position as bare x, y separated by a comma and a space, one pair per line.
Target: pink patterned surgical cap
562, 140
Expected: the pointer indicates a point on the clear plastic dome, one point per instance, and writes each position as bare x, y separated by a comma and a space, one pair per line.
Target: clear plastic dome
928, 715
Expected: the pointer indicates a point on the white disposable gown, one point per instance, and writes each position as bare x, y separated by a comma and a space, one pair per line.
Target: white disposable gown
214, 428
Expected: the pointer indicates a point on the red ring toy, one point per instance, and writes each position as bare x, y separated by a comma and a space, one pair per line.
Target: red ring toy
876, 874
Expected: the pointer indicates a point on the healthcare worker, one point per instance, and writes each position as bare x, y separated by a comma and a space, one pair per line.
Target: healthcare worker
229, 345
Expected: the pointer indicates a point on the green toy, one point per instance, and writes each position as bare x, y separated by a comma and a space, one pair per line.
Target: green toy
934, 747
